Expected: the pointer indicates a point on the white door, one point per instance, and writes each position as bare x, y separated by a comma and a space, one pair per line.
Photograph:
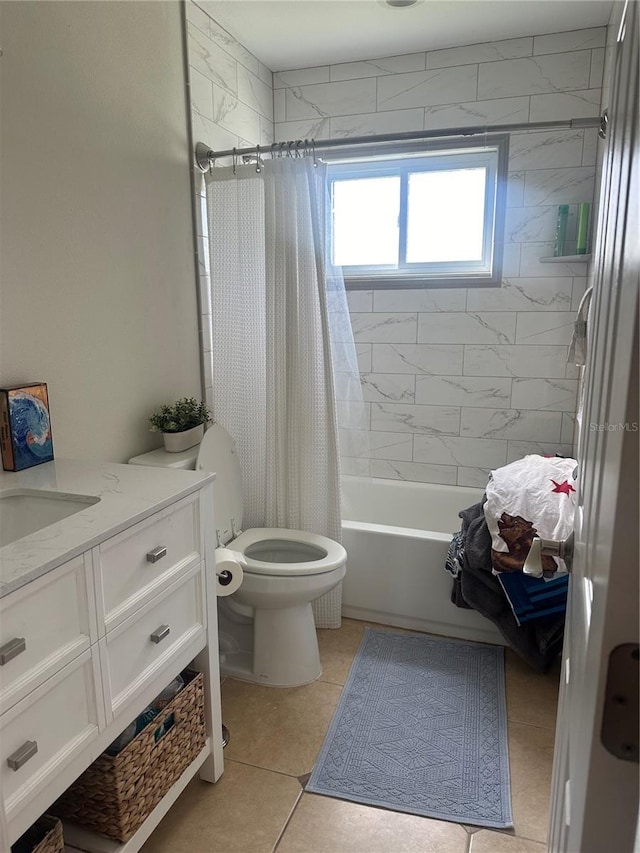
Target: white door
594, 805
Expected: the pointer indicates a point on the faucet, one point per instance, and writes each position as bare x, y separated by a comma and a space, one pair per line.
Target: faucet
562, 548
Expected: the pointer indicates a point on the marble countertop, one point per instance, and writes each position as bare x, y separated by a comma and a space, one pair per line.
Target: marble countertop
128, 493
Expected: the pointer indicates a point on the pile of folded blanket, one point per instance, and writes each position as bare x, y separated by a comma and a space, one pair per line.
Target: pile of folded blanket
534, 496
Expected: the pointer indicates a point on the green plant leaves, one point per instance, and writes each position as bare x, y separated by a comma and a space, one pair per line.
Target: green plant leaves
182, 415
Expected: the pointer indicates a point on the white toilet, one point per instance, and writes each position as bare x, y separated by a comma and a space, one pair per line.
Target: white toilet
266, 628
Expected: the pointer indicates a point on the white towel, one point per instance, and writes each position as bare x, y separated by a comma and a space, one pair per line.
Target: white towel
533, 496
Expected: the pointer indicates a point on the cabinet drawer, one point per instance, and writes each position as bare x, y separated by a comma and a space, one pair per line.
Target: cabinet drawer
42, 627
137, 564
147, 642
45, 731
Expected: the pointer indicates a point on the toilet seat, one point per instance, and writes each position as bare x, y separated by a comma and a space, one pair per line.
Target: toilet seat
217, 452
317, 554
330, 554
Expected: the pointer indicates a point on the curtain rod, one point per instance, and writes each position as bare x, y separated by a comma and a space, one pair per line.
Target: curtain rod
205, 157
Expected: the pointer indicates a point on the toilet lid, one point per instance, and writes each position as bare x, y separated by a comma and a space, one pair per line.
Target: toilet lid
217, 454
280, 551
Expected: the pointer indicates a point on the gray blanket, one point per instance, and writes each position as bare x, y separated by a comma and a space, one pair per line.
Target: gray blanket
538, 643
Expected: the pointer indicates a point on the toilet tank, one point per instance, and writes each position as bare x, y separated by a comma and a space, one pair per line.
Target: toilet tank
185, 459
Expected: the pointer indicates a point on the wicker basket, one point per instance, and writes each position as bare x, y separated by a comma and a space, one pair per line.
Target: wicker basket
45, 836
116, 793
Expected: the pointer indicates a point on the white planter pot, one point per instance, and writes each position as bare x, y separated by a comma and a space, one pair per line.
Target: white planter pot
174, 442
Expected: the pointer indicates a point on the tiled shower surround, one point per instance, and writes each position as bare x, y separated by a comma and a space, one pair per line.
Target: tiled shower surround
457, 381
231, 107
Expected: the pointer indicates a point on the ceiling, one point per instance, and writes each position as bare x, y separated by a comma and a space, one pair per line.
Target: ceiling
286, 34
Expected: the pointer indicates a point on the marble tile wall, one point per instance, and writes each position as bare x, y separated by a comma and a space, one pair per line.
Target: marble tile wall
231, 96
456, 381
459, 381
231, 90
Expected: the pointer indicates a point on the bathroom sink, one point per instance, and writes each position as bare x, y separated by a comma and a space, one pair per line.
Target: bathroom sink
24, 511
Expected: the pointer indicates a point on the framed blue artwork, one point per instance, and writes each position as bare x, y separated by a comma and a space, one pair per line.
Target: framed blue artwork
25, 426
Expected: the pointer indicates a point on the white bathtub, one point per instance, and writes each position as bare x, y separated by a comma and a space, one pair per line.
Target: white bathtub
397, 535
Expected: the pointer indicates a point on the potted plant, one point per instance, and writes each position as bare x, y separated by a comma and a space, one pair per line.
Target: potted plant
181, 424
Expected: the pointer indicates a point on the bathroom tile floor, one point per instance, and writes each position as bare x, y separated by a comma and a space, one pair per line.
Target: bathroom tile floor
259, 806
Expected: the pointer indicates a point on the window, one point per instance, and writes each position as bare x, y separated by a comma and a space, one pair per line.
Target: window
420, 218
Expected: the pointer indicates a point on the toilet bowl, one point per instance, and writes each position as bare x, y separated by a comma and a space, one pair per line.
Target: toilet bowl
267, 630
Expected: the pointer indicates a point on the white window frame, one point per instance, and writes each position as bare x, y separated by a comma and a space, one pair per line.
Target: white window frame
489, 152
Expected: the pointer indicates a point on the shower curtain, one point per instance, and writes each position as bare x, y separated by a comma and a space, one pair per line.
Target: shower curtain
277, 310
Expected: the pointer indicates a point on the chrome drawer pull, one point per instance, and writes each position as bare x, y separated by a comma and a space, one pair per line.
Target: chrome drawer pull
157, 554
22, 755
160, 633
12, 649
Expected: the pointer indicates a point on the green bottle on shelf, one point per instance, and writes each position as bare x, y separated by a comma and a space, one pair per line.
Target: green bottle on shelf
561, 230
583, 227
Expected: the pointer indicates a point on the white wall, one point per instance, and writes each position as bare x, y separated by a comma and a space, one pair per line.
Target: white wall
98, 290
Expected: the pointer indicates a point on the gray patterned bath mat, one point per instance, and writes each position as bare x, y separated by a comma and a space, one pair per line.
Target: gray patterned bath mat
421, 727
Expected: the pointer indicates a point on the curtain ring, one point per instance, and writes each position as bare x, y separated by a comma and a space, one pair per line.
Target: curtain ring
298, 144
313, 153
258, 161
234, 160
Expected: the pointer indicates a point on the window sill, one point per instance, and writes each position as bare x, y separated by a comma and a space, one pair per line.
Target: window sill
398, 283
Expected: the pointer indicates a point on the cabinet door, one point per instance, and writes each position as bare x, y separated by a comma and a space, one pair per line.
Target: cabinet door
44, 732
43, 626
140, 562
137, 651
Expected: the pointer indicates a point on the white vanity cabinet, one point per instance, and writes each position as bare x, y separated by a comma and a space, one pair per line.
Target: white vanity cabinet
43, 626
88, 644
144, 559
150, 594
